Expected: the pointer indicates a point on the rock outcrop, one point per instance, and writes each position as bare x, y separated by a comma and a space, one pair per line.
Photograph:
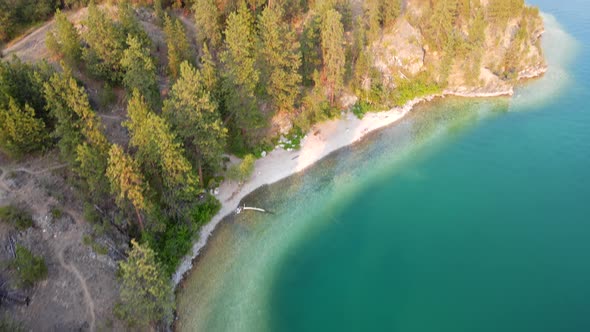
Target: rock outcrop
509, 51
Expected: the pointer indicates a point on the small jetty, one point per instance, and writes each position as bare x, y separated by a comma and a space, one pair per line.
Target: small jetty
245, 208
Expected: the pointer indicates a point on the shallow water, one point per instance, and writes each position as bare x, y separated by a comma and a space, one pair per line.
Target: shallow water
467, 215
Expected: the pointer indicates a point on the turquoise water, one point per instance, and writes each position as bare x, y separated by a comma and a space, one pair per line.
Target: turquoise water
467, 215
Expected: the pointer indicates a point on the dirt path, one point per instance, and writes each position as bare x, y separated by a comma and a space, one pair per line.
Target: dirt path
4, 172
72, 269
111, 117
31, 48
2, 176
65, 242
33, 43
45, 170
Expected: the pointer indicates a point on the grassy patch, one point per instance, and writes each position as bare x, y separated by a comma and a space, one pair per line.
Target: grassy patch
30, 268
7, 323
56, 213
88, 240
16, 217
413, 89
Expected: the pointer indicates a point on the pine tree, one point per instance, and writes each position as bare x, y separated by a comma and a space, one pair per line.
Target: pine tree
333, 53
61, 92
381, 13
391, 10
23, 82
359, 39
106, 41
160, 154
240, 47
146, 293
207, 22
281, 59
140, 71
158, 12
131, 25
311, 54
195, 118
177, 43
64, 39
127, 183
374, 16
240, 74
79, 130
441, 23
254, 4
90, 166
210, 73
20, 131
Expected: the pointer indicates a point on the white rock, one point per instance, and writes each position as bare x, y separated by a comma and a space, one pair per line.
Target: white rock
263, 154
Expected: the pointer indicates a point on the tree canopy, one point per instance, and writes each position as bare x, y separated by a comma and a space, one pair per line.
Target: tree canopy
140, 71
160, 155
146, 293
194, 116
333, 52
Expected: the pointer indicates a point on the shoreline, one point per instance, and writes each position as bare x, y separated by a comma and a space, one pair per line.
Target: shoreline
321, 140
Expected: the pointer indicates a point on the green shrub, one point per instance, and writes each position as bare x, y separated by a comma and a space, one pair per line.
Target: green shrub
293, 139
176, 241
264, 146
9, 325
106, 95
99, 248
56, 213
21, 131
90, 214
16, 217
214, 182
361, 108
242, 171
89, 240
413, 89
202, 213
29, 267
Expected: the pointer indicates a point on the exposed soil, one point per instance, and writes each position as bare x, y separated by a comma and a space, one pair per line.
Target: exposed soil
81, 288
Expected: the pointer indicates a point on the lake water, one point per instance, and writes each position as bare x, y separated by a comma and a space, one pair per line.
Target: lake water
467, 215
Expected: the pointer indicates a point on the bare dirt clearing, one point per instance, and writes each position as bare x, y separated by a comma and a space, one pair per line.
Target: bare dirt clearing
80, 289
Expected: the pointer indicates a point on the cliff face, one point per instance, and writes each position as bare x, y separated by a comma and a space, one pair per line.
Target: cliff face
481, 55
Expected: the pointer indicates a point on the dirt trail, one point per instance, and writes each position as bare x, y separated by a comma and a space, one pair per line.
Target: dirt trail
112, 117
31, 48
72, 269
45, 170
33, 43
65, 242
